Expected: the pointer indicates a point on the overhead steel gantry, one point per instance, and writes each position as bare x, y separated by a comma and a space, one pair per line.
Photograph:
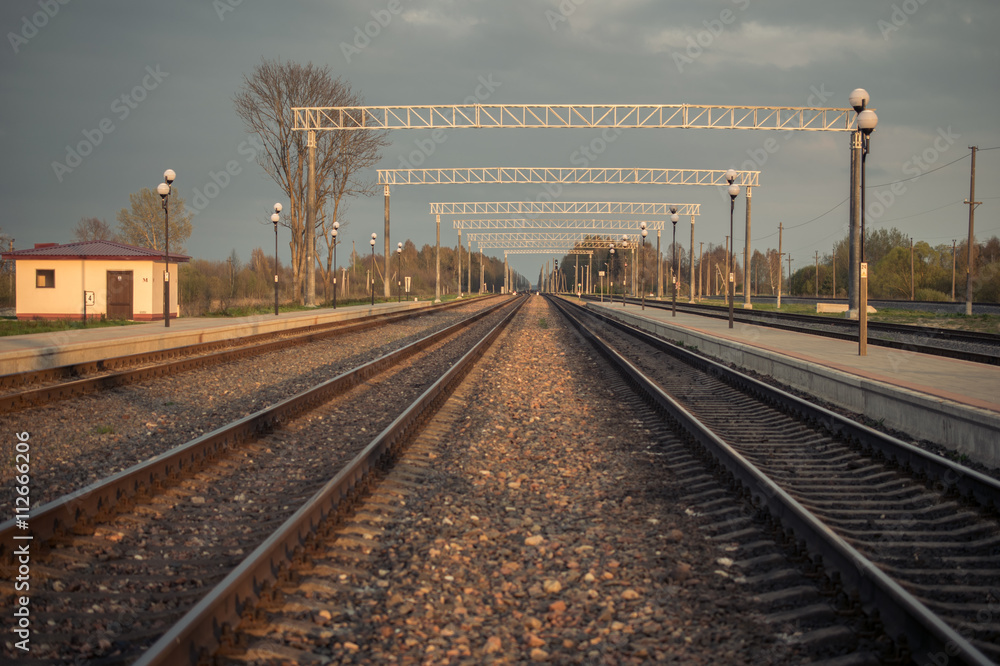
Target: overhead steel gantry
555, 223
565, 116
553, 237
574, 116
564, 175
561, 208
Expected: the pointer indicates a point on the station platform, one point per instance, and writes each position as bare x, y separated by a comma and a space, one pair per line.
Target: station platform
37, 351
950, 402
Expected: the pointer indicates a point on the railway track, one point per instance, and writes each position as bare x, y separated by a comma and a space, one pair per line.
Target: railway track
914, 536
119, 561
39, 387
965, 345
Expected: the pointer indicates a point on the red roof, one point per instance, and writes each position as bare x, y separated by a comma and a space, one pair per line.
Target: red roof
97, 249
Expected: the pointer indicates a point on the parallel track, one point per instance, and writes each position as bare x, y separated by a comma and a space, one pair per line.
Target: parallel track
162, 488
67, 381
916, 536
878, 334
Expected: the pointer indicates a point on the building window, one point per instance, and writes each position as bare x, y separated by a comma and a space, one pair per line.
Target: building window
45, 279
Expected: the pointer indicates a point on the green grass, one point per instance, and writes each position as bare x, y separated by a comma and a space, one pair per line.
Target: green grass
103, 430
543, 323
14, 327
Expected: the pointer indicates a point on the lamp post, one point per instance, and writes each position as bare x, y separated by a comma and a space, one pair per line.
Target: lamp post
163, 189
333, 239
734, 190
642, 270
274, 219
611, 277
374, 236
674, 274
399, 274
866, 122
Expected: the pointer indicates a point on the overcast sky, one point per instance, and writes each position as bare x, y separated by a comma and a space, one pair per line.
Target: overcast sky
145, 86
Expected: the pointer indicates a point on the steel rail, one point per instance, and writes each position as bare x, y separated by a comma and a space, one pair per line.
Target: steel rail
250, 346
210, 623
80, 510
773, 320
899, 610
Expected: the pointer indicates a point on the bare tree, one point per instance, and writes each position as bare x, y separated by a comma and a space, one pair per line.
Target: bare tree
92, 228
265, 105
143, 225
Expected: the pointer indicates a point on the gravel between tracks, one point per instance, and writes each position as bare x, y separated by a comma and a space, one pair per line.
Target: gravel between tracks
547, 531
79, 441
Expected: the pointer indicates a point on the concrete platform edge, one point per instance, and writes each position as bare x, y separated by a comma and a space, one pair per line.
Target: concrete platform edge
50, 356
967, 430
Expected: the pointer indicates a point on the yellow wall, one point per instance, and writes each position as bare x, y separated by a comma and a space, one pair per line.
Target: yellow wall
74, 276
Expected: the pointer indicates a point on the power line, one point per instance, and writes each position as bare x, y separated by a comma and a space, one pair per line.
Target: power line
868, 187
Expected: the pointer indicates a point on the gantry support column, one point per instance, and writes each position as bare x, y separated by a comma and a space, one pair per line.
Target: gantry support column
468, 284
309, 299
437, 263
659, 267
747, 305
460, 263
385, 279
691, 262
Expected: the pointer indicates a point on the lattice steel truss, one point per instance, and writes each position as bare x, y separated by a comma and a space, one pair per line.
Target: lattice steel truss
553, 237
539, 243
565, 175
568, 116
555, 223
561, 207
551, 250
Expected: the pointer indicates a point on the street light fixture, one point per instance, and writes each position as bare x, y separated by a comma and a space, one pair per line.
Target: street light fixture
399, 273
734, 191
642, 270
333, 239
163, 189
374, 236
274, 219
674, 274
866, 122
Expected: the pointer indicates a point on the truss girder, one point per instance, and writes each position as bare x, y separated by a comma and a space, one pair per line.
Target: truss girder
564, 237
565, 175
536, 223
577, 244
569, 116
561, 207
551, 250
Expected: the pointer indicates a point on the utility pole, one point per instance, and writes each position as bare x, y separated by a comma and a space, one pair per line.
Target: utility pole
834, 270
780, 255
747, 305
691, 261
701, 271
953, 248
972, 218
817, 273
789, 273
911, 268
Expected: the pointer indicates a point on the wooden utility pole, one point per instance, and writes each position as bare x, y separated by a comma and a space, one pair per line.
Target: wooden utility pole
911, 268
789, 273
817, 273
953, 248
701, 257
834, 270
780, 255
972, 219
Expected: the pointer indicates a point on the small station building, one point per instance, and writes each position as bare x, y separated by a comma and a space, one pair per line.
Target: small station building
92, 278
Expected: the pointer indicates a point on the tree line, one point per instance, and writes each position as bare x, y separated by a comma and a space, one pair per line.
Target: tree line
887, 251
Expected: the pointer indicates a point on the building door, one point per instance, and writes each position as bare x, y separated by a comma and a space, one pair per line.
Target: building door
119, 294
